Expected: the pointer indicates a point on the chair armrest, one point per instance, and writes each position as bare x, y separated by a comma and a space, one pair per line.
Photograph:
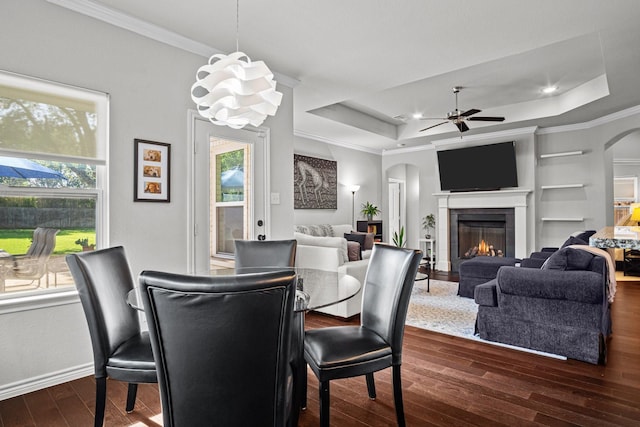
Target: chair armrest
318, 257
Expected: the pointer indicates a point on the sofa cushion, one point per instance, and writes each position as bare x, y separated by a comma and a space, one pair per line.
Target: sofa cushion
358, 238
568, 259
331, 242
354, 251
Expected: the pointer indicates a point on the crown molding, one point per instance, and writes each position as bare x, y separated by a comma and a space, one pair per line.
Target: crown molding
150, 31
338, 143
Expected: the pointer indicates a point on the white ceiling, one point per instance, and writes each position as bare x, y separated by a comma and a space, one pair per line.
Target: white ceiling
360, 63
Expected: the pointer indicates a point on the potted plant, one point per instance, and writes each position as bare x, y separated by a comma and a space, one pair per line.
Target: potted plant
398, 238
369, 210
84, 242
428, 223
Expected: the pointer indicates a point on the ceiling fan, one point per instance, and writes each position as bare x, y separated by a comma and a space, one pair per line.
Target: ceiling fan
458, 117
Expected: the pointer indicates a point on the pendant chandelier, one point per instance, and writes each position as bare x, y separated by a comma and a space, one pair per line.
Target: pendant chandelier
231, 90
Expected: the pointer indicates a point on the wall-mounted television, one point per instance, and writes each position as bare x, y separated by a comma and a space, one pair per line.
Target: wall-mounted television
483, 167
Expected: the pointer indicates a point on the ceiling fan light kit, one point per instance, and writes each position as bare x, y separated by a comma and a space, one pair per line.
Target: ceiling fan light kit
231, 90
458, 117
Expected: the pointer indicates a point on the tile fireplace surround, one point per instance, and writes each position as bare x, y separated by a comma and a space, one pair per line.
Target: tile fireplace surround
516, 199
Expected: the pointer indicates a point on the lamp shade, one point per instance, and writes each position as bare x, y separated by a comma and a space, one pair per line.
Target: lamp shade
231, 90
354, 188
635, 215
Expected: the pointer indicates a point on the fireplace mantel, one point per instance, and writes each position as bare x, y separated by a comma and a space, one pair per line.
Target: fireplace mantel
513, 198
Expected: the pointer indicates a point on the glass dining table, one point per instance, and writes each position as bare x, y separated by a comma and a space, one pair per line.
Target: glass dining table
314, 289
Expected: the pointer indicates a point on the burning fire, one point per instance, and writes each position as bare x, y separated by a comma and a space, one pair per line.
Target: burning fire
484, 248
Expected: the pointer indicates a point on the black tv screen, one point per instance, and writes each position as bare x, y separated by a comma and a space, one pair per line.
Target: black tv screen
484, 167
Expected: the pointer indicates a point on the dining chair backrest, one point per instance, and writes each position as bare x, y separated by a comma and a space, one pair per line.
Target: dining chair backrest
103, 279
221, 346
386, 293
265, 253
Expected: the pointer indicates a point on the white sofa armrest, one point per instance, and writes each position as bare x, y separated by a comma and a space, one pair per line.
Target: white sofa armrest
357, 269
318, 257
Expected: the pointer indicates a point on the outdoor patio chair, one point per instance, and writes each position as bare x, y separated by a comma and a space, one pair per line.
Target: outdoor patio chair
32, 265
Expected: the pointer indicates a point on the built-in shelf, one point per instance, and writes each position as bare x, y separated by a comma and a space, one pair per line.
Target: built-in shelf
552, 187
576, 219
564, 154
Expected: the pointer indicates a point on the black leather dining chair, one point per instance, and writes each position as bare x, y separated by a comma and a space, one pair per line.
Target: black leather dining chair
221, 345
265, 253
350, 351
121, 350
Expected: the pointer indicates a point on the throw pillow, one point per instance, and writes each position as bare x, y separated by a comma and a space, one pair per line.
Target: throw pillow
315, 230
354, 237
354, 251
585, 235
568, 259
331, 242
573, 241
369, 240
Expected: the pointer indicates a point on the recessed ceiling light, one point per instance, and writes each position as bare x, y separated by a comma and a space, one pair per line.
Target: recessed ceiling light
417, 116
549, 89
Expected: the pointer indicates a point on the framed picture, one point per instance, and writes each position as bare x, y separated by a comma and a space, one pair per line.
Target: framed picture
315, 183
151, 171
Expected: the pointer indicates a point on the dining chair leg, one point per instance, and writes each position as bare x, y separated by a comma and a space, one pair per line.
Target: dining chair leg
371, 386
397, 395
324, 404
303, 400
131, 396
101, 399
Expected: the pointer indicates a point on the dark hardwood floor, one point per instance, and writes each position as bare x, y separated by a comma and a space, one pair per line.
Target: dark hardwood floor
447, 381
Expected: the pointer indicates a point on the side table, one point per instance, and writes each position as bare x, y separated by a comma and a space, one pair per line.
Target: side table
429, 249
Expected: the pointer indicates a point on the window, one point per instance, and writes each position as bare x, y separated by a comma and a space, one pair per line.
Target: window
53, 144
230, 195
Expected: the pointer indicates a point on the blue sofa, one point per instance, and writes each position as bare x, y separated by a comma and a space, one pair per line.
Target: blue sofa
562, 309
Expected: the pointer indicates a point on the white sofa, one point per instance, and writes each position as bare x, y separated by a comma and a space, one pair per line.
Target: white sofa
324, 247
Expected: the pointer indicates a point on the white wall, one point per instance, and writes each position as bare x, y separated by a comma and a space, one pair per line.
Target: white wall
148, 83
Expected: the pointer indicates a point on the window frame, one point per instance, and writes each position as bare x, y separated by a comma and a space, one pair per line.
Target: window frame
41, 298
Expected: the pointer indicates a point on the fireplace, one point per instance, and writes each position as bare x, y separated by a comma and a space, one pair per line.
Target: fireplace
481, 232
515, 200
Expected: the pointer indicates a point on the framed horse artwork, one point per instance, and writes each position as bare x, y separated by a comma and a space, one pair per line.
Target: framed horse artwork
315, 183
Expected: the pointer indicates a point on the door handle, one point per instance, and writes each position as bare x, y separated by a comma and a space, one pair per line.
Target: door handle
262, 237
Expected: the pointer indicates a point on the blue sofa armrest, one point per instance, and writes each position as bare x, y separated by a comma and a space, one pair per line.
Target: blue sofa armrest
574, 285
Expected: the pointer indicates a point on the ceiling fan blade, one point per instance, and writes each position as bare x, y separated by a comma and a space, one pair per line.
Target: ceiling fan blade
469, 112
462, 126
487, 119
422, 130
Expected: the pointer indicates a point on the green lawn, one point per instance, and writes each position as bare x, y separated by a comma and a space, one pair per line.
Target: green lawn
17, 241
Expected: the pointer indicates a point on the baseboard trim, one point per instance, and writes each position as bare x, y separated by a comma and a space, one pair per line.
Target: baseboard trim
51, 379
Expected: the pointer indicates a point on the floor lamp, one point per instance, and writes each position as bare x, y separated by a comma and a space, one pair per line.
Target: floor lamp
353, 189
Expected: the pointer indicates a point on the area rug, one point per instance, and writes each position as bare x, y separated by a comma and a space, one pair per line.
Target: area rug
442, 310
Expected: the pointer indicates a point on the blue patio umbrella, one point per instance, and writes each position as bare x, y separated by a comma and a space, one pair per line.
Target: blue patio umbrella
232, 178
15, 167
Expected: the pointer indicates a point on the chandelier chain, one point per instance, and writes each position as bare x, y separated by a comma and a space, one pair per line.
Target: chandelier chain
237, 25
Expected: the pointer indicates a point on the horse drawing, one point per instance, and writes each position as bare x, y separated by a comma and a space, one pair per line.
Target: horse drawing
318, 180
